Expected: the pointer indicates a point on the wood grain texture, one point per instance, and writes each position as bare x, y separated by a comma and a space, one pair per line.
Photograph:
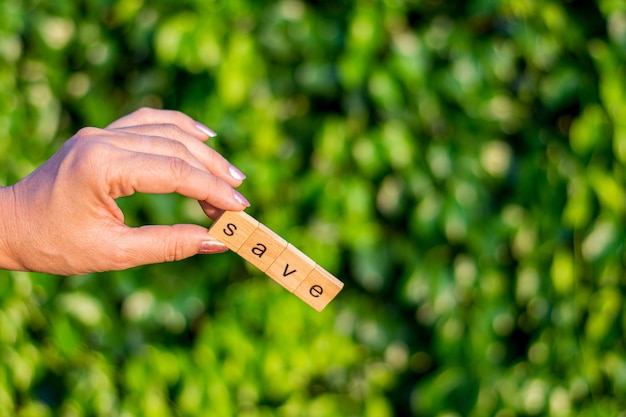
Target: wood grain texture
290, 268
318, 288
233, 228
262, 247
279, 259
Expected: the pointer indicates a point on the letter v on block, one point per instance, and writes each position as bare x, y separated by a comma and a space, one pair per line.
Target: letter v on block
290, 268
278, 259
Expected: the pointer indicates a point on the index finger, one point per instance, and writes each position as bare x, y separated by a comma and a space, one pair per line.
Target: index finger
148, 116
160, 174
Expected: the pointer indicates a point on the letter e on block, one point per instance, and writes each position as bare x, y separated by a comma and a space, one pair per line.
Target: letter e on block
262, 247
319, 288
233, 228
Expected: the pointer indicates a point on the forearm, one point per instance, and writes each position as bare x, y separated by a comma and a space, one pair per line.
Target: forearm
7, 229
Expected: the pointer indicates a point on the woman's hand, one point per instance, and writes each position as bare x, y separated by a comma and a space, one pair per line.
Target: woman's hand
63, 218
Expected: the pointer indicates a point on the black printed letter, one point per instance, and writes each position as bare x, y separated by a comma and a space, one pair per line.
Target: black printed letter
288, 273
230, 229
259, 249
316, 291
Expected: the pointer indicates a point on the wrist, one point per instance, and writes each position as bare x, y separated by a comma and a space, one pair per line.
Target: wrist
7, 233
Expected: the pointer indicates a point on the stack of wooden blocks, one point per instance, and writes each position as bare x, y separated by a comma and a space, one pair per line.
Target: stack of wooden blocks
279, 259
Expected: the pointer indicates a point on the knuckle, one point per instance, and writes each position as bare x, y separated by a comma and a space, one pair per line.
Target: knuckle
124, 253
88, 133
86, 139
170, 130
145, 112
156, 116
217, 184
174, 251
121, 257
179, 168
173, 248
119, 253
177, 115
86, 148
179, 149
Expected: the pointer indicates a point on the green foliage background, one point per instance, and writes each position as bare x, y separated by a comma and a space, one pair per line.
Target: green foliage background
460, 165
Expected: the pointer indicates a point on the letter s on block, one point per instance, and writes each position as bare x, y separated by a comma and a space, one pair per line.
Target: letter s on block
230, 229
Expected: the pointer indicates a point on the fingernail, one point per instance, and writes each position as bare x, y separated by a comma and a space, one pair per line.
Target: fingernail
206, 130
240, 198
236, 174
212, 247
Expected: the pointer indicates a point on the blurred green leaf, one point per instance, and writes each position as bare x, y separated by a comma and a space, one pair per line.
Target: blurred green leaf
459, 166
590, 131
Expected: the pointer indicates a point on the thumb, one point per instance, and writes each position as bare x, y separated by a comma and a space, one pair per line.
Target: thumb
157, 244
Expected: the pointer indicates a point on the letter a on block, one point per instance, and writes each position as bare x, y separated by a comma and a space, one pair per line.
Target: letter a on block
290, 268
259, 250
262, 247
232, 228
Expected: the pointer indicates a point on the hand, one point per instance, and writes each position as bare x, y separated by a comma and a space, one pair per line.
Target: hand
63, 218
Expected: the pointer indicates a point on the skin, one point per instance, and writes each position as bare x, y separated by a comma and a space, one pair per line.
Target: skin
63, 218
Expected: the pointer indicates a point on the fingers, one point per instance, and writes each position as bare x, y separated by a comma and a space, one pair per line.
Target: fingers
147, 116
158, 174
210, 211
156, 145
155, 244
211, 160
153, 164
178, 126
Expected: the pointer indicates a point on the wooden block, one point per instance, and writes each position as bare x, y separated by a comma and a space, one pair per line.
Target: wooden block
318, 288
233, 228
262, 247
276, 257
290, 268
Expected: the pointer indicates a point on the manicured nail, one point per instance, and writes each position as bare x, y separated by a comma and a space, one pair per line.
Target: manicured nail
212, 247
236, 174
206, 130
240, 198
